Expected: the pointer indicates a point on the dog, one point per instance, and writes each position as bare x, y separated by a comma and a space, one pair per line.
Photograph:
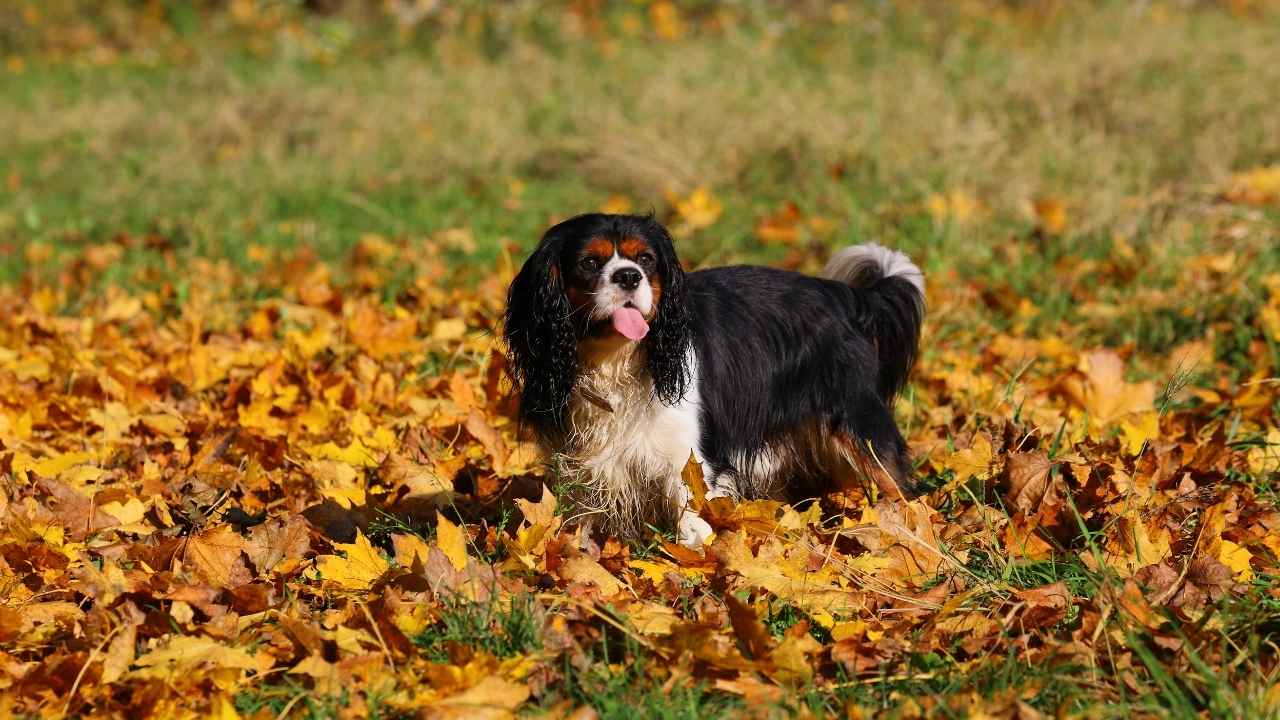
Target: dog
779, 384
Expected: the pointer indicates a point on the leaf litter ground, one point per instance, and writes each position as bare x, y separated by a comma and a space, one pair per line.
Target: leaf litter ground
312, 499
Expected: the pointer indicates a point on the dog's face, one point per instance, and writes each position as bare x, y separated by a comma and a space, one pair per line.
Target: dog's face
596, 282
613, 283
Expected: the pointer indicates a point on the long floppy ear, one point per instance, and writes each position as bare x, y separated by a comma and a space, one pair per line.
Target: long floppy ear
667, 344
542, 349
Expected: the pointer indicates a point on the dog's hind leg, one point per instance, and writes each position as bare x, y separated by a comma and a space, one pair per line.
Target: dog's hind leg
868, 446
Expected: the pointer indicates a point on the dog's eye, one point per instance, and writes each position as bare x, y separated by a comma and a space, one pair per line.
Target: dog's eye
646, 259
589, 263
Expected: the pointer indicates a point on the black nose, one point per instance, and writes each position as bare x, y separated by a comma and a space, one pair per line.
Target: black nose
626, 278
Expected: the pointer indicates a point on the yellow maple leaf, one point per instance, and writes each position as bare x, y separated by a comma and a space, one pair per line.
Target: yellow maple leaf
582, 569
214, 554
666, 20
356, 453
186, 653
657, 570
1135, 435
114, 419
492, 697
1105, 395
1133, 545
257, 416
1265, 457
701, 209
955, 205
649, 618
452, 541
1237, 558
409, 547
55, 465
616, 205
339, 482
1259, 186
357, 568
791, 663
973, 461
311, 342
1051, 214
448, 329
131, 513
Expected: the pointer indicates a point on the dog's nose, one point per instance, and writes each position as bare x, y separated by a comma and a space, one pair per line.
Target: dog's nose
626, 278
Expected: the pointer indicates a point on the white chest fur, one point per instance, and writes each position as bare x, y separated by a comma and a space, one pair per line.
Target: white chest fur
624, 449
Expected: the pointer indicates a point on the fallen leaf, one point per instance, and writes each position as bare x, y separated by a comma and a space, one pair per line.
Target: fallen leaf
357, 568
452, 542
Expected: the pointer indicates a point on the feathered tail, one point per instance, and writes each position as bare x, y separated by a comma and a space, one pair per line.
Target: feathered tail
891, 290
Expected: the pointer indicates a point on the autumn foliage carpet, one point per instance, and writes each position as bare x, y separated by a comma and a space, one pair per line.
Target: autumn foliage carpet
218, 516
290, 484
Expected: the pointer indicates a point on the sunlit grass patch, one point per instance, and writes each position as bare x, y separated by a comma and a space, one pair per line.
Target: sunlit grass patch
502, 628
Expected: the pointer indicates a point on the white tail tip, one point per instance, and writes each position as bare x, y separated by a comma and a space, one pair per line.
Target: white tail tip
858, 265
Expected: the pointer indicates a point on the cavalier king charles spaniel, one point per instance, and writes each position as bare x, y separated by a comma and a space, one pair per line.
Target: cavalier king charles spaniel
779, 384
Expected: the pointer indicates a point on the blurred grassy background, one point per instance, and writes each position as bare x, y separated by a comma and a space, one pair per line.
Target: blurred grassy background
1004, 141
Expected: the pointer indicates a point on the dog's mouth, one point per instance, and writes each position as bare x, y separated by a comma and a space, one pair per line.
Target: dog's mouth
629, 322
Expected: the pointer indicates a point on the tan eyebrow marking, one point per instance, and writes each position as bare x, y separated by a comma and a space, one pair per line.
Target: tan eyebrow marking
600, 247
632, 246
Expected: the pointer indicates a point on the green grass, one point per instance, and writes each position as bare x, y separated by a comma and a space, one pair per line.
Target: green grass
500, 631
240, 145
291, 699
631, 687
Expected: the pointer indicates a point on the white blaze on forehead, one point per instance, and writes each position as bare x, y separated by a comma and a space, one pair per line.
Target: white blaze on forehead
609, 296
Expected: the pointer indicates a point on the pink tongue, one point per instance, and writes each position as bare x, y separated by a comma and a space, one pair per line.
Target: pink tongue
630, 323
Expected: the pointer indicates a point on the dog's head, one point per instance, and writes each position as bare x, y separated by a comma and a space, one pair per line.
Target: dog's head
595, 282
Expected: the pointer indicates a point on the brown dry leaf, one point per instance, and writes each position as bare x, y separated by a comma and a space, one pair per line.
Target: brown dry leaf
753, 639
1028, 480
905, 536
781, 227
1044, 605
278, 545
692, 477
216, 557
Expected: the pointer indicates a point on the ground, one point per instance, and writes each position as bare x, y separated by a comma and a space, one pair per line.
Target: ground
257, 454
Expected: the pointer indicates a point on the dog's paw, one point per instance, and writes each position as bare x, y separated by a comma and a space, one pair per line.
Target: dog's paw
693, 530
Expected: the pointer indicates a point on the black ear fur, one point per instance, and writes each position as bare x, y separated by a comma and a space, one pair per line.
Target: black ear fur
542, 348
667, 345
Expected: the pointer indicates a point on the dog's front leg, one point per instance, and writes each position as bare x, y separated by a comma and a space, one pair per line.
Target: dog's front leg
691, 530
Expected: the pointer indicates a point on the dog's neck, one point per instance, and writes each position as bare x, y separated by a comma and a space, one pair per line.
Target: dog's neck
612, 374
